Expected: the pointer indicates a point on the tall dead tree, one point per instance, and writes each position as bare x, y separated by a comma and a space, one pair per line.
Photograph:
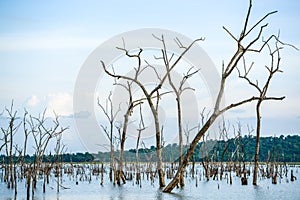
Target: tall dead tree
149, 94
111, 115
27, 132
5, 145
140, 130
8, 138
42, 134
178, 92
130, 106
244, 45
59, 149
272, 69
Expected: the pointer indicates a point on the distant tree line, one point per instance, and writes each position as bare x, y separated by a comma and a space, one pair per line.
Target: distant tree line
279, 149
66, 157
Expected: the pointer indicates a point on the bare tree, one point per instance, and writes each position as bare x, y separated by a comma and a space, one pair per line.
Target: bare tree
244, 45
59, 149
111, 115
187, 132
18, 156
272, 69
223, 130
149, 94
8, 138
178, 92
130, 106
240, 151
5, 144
26, 135
140, 130
42, 134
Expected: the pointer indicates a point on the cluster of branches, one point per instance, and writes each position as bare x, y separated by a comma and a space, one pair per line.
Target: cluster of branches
250, 41
41, 133
151, 97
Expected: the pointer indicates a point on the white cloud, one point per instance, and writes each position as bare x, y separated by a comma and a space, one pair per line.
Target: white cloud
33, 101
60, 103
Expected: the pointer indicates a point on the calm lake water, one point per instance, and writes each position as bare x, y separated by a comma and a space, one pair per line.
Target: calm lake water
284, 189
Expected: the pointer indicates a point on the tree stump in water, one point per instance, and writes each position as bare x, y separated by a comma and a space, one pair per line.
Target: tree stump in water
244, 181
292, 176
274, 179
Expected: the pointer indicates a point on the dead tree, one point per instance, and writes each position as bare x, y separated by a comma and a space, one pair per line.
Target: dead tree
8, 138
242, 172
140, 130
18, 155
5, 144
203, 147
187, 132
59, 150
272, 69
27, 132
223, 130
205, 157
178, 92
111, 115
244, 45
130, 106
149, 94
42, 134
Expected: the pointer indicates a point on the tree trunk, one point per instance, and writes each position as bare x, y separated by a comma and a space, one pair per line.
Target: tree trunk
11, 173
44, 183
158, 152
120, 172
189, 153
181, 179
28, 176
256, 157
58, 174
138, 174
15, 180
102, 174
111, 154
158, 142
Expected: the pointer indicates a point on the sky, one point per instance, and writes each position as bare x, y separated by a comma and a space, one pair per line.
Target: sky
43, 46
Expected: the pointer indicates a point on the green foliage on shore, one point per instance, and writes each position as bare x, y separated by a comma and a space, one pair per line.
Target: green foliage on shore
67, 157
279, 149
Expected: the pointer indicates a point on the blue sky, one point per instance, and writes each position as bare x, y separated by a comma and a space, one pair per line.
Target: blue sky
44, 44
